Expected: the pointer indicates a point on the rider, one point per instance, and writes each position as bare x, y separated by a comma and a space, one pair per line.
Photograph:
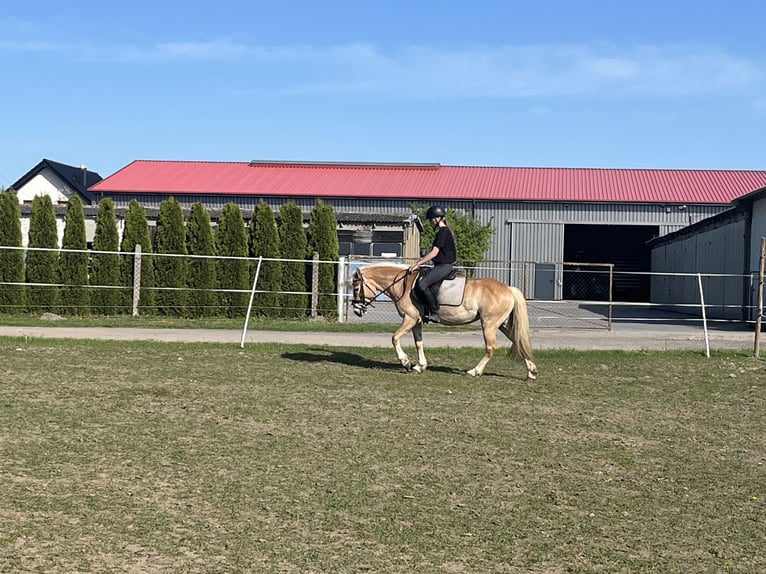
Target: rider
443, 253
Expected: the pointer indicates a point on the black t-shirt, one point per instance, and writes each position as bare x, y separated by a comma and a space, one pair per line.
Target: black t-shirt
446, 244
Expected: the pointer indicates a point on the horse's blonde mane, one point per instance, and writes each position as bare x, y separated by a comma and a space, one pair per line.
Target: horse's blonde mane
386, 264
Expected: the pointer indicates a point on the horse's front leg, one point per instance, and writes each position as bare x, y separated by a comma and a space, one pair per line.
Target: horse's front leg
396, 340
417, 334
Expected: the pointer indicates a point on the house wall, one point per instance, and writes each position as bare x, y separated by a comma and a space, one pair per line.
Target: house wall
45, 183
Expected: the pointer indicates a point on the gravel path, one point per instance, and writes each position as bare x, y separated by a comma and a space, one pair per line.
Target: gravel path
622, 336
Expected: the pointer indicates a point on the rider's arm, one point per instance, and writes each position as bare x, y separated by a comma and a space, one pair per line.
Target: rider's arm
426, 258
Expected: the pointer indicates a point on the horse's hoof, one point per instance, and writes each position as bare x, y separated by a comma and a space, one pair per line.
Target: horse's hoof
418, 369
473, 373
531, 376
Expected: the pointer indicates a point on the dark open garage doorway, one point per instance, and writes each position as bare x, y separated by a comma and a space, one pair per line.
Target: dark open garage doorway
622, 245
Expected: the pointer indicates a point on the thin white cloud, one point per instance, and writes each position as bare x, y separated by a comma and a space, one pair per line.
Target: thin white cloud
427, 72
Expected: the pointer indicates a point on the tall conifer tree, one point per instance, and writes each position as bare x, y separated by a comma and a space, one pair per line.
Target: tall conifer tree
233, 274
203, 300
137, 233
171, 272
292, 238
12, 292
323, 239
264, 242
105, 261
73, 265
42, 266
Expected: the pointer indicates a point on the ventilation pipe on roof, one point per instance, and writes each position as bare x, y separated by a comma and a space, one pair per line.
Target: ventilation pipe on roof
84, 174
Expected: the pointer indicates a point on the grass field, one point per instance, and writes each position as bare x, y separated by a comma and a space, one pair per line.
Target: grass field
139, 457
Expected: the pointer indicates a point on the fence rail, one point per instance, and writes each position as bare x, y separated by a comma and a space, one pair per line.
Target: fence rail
560, 295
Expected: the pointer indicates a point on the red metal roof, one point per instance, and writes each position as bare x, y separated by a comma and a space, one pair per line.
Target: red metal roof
432, 181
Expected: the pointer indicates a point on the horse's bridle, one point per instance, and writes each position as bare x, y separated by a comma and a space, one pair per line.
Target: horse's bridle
360, 302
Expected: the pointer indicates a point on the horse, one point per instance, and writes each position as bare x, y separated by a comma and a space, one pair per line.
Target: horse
498, 306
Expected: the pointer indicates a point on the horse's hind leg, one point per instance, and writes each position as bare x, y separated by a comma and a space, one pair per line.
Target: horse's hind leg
505, 328
490, 345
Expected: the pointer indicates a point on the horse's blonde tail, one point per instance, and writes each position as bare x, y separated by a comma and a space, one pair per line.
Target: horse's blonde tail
517, 326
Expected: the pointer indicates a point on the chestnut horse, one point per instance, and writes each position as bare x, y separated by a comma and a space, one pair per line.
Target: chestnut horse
497, 305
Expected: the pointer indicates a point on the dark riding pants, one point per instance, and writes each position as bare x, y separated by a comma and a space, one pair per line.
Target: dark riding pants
438, 273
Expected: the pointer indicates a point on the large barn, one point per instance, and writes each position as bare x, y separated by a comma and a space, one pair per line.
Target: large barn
542, 216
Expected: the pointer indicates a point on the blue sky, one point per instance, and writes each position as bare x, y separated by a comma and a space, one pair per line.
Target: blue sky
619, 83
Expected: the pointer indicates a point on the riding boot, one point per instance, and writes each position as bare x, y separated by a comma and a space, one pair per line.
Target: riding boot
432, 307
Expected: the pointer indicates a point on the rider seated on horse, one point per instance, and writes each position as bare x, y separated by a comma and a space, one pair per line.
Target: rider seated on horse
443, 254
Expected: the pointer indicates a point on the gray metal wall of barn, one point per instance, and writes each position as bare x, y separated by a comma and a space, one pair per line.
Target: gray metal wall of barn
716, 250
758, 230
524, 230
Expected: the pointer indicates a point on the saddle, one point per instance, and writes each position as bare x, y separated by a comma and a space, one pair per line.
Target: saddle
448, 291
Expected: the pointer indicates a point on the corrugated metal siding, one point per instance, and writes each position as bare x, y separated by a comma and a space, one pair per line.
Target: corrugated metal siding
533, 243
715, 251
758, 230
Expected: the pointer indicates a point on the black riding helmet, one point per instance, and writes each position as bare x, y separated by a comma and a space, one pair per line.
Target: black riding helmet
435, 211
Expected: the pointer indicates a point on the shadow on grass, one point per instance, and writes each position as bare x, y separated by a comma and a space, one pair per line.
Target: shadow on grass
354, 360
344, 358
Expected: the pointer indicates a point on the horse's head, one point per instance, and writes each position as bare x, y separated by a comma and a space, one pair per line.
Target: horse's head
359, 289
362, 294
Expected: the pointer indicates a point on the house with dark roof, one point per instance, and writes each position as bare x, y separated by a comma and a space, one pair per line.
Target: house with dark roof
57, 180
60, 182
544, 218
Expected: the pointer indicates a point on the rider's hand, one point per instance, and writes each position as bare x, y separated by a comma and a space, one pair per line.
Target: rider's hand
413, 268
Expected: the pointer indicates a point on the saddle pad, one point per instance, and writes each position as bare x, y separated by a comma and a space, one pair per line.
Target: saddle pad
451, 291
